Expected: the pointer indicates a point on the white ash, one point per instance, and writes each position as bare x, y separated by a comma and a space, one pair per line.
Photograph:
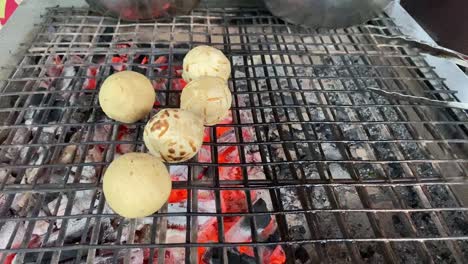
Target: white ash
338, 172
102, 132
175, 236
88, 173
179, 173
80, 204
21, 136
23, 202
310, 171
348, 197
319, 198
331, 151
67, 74
74, 231
38, 158
352, 132
297, 223
203, 206
136, 256
7, 231
359, 151
7, 178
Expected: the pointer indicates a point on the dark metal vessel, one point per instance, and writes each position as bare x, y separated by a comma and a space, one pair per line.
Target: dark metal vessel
327, 13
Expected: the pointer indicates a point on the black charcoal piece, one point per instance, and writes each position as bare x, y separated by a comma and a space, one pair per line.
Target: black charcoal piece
233, 255
53, 115
36, 98
106, 38
261, 221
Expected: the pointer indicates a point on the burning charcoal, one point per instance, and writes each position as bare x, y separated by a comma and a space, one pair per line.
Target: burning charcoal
38, 158
34, 242
125, 133
64, 84
136, 256
105, 37
36, 98
370, 253
75, 229
88, 173
53, 115
171, 255
241, 232
233, 255
6, 232
68, 255
22, 203
79, 116
21, 136
68, 154
5, 176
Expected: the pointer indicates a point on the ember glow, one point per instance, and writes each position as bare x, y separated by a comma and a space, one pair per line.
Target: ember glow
310, 166
236, 228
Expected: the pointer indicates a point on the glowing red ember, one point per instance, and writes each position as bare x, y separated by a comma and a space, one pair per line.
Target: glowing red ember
33, 243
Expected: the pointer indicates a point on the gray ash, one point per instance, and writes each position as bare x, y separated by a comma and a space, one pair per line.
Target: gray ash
308, 73
440, 253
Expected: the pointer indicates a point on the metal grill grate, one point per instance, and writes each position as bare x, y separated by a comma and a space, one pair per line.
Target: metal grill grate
342, 174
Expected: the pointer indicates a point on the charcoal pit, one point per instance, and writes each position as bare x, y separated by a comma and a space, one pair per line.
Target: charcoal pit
310, 166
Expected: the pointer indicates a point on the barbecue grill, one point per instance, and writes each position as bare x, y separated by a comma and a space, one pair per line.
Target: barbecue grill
311, 165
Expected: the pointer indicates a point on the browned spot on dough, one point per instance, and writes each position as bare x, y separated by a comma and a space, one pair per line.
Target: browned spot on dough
176, 116
172, 151
162, 125
173, 158
182, 153
187, 68
181, 147
216, 69
192, 145
172, 143
157, 125
165, 113
176, 110
164, 128
212, 99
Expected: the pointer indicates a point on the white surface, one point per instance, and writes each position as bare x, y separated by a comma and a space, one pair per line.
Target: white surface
455, 79
20, 29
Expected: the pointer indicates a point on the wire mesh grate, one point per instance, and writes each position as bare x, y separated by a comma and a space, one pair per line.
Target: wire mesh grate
309, 167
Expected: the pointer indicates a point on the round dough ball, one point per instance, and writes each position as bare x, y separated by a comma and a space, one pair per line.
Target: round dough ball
174, 135
208, 97
127, 96
136, 185
205, 61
